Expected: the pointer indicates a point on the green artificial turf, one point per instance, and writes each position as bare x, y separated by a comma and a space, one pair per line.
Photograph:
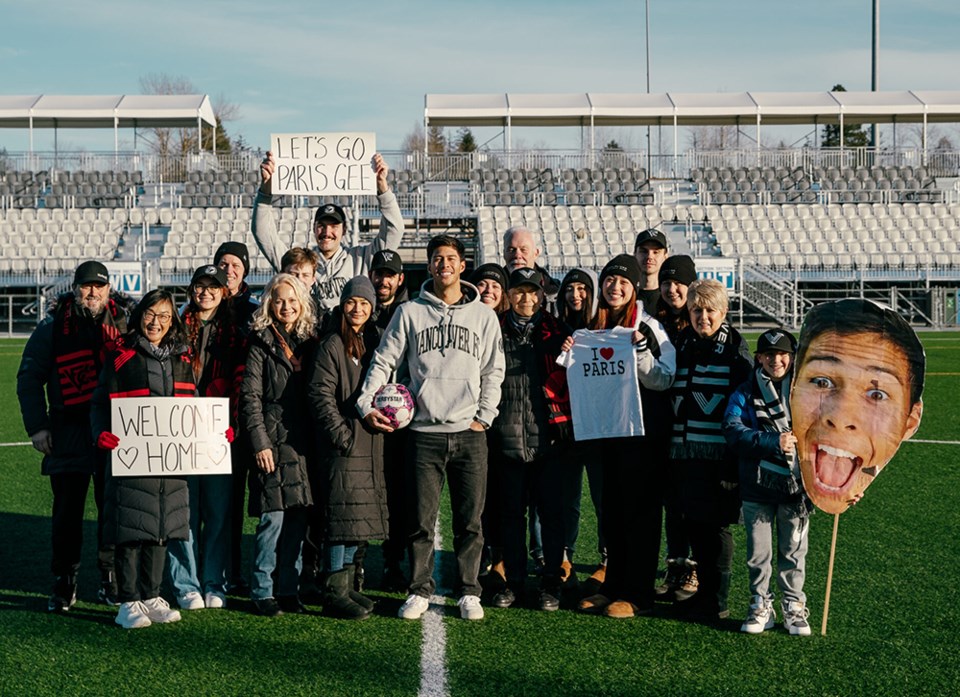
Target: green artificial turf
893, 621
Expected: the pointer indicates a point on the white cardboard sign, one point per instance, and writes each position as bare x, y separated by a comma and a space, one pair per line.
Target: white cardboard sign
170, 436
324, 164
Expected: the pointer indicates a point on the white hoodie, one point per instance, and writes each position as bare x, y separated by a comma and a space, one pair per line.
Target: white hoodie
453, 355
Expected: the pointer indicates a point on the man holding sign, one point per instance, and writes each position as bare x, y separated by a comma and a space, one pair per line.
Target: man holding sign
338, 262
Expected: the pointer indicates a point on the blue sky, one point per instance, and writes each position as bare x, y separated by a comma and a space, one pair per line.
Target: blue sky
365, 66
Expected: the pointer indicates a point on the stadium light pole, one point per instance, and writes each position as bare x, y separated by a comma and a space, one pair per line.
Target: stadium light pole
873, 71
646, 4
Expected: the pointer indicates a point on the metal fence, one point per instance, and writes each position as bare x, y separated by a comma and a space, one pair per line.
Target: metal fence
457, 166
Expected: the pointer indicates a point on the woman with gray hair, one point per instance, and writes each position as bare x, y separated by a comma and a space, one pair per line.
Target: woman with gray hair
712, 361
272, 416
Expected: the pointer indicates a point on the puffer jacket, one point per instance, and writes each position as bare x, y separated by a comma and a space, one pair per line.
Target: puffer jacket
350, 456
273, 417
522, 429
143, 509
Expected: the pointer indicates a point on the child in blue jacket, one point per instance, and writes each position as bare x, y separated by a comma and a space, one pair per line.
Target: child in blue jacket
757, 427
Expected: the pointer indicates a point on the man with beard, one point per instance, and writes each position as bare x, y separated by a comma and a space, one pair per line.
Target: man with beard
650, 250
64, 356
338, 262
386, 273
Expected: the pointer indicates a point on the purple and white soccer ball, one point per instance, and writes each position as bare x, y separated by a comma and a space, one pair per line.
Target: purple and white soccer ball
394, 401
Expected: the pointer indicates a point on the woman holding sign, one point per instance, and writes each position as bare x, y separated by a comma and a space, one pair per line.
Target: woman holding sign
273, 416
143, 513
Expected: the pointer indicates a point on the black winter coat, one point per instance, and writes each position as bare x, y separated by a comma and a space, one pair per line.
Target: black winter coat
273, 417
350, 455
522, 430
143, 509
64, 357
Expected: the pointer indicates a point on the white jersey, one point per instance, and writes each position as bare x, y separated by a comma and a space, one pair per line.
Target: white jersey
602, 378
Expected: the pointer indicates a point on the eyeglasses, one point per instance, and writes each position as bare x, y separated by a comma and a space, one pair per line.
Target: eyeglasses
163, 317
209, 290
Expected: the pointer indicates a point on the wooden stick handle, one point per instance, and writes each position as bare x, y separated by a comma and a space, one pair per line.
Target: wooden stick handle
833, 554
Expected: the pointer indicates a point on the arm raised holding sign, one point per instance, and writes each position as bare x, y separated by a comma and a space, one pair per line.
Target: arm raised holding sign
339, 263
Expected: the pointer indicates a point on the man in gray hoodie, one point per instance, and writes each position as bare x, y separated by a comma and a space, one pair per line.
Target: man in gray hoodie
338, 262
449, 344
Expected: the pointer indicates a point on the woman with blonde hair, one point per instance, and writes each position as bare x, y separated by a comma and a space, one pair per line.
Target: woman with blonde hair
274, 418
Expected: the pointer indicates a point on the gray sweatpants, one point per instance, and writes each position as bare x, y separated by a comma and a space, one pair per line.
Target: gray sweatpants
792, 537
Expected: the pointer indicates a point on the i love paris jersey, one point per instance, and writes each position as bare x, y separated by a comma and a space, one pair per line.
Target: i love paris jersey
602, 379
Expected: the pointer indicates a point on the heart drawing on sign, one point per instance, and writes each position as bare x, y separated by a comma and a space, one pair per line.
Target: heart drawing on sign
217, 457
607, 353
128, 456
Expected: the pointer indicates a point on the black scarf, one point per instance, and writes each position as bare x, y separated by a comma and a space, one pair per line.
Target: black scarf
708, 371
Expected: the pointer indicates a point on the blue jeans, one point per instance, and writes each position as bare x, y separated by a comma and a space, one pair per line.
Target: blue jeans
462, 459
336, 557
792, 539
278, 544
210, 501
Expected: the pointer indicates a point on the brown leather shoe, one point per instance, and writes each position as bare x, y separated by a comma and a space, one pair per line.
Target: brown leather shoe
593, 604
621, 609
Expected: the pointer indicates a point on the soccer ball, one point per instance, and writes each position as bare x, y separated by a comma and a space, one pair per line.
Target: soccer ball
394, 401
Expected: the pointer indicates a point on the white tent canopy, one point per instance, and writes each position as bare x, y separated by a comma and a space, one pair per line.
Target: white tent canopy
691, 109
109, 111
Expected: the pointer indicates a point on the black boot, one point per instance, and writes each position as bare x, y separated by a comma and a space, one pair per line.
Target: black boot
355, 595
336, 598
64, 594
108, 589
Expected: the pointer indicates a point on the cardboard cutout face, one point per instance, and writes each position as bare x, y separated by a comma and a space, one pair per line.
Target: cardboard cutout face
855, 398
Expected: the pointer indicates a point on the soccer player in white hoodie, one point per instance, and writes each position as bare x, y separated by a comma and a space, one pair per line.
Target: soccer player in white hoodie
448, 344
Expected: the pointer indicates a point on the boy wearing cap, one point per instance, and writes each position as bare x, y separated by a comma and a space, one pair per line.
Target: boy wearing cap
64, 356
757, 427
650, 250
449, 344
338, 262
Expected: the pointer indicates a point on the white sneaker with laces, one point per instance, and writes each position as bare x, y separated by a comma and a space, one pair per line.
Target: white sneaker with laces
191, 600
470, 608
761, 616
132, 615
795, 616
413, 607
159, 611
214, 601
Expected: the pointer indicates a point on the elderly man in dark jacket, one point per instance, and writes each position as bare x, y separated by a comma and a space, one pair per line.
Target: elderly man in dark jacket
524, 436
64, 355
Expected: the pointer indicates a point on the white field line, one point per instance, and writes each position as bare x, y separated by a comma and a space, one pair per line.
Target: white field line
433, 652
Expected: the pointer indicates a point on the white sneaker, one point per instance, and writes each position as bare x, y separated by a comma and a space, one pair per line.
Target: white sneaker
191, 600
214, 601
470, 608
133, 615
413, 607
795, 616
761, 616
158, 610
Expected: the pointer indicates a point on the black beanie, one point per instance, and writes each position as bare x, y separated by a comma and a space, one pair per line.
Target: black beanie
678, 268
493, 272
237, 249
625, 265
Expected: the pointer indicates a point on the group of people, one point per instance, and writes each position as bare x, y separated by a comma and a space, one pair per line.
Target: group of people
505, 415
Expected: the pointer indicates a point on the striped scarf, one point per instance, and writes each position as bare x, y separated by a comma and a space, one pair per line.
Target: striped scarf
705, 379
776, 472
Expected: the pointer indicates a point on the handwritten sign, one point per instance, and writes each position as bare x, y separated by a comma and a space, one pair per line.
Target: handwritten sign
170, 436
324, 164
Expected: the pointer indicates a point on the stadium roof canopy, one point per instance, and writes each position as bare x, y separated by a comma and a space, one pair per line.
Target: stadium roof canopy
691, 109
110, 111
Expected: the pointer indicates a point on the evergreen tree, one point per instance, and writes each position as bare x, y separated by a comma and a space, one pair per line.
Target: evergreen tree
853, 134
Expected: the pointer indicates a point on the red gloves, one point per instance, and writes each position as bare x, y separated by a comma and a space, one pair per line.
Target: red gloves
230, 434
107, 441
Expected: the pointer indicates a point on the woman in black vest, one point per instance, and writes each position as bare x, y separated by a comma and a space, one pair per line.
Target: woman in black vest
143, 513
